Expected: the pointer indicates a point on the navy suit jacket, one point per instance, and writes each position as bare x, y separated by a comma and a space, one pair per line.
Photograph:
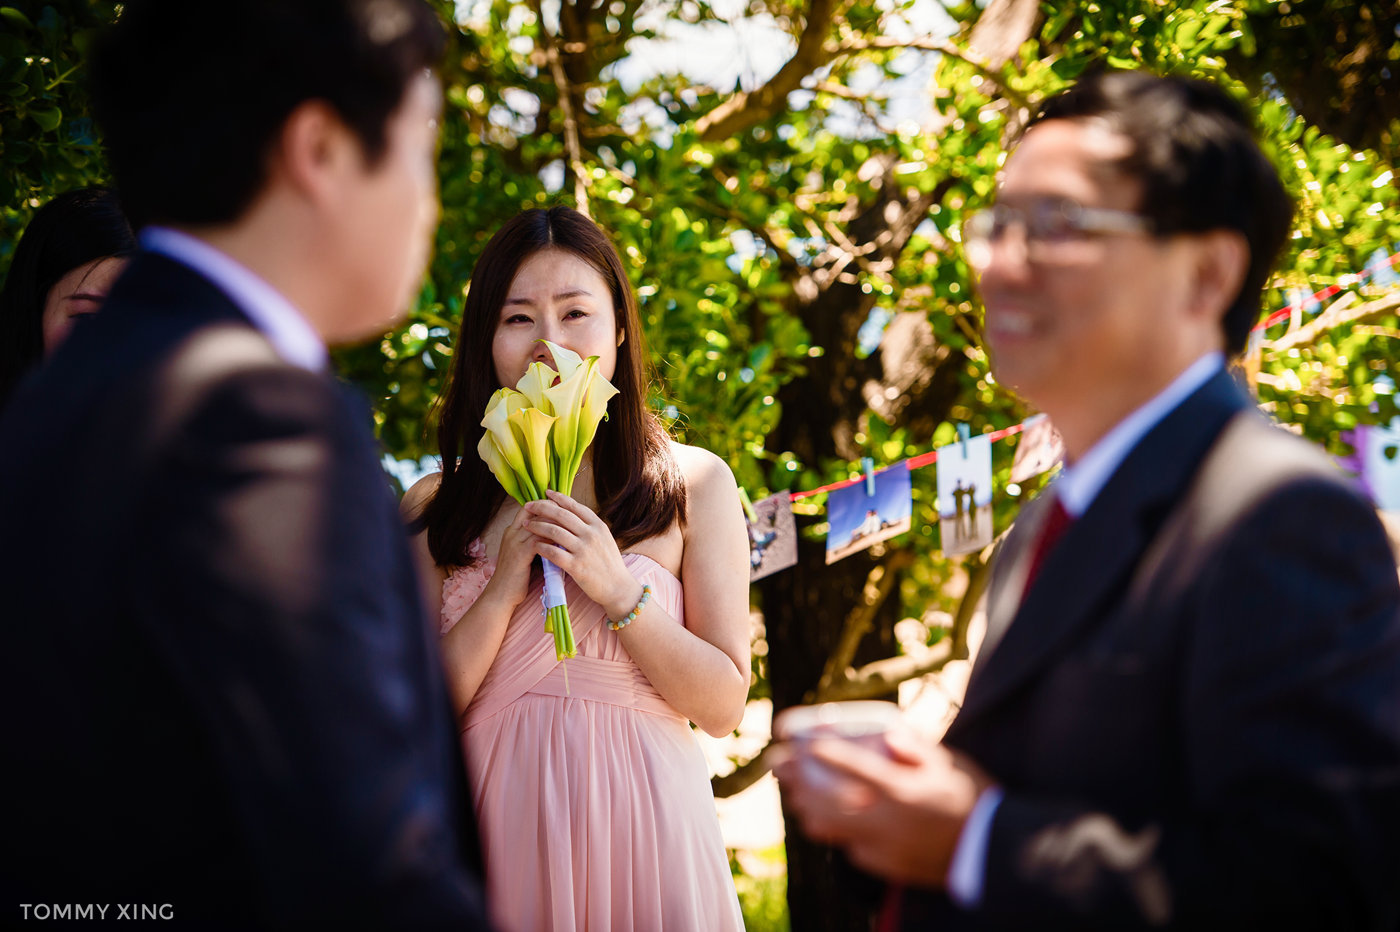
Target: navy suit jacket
220, 689
1195, 709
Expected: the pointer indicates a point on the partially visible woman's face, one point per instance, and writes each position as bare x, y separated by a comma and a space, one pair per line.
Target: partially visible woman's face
77, 294
555, 296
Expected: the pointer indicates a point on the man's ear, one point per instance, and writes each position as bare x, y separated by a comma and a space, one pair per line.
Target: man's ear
1221, 263
313, 148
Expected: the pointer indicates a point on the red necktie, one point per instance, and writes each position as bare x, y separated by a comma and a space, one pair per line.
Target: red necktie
1056, 523
891, 909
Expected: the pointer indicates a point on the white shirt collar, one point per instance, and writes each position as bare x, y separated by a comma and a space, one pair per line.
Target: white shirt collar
294, 339
1079, 484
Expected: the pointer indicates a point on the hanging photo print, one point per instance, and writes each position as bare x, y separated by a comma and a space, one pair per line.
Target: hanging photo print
1381, 269
965, 495
859, 518
1040, 448
1376, 462
1253, 358
772, 536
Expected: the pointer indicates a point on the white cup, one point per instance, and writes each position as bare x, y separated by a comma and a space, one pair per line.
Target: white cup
861, 722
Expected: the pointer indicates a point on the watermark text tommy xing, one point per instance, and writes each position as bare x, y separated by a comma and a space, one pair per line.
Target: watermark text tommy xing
44, 911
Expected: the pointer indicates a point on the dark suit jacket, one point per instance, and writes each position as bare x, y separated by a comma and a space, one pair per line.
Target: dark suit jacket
220, 689
1195, 711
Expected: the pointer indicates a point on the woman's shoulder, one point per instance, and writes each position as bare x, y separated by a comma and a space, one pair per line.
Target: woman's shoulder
708, 479
700, 467
714, 525
418, 496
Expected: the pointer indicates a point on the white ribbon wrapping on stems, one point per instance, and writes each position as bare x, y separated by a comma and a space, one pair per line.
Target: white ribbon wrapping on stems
553, 594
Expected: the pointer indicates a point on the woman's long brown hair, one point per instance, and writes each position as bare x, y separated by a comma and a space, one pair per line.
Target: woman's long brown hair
640, 489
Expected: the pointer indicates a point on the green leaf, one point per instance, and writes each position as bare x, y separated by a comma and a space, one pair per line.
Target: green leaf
48, 119
1213, 28
1055, 24
51, 25
1186, 33
15, 16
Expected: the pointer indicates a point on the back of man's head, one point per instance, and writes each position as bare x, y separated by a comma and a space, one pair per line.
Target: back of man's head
191, 95
1194, 152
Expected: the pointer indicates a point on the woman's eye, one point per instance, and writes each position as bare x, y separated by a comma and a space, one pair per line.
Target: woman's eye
576, 313
517, 319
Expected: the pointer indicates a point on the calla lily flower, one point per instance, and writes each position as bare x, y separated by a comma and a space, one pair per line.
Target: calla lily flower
502, 405
500, 466
566, 397
580, 399
593, 410
531, 428
533, 383
565, 359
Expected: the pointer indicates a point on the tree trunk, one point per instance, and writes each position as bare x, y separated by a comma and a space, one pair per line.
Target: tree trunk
804, 609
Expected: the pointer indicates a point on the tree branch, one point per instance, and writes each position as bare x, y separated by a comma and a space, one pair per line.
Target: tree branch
772, 238
859, 620
1341, 312
566, 110
1001, 29
745, 109
742, 777
1389, 333
845, 93
979, 574
882, 677
980, 65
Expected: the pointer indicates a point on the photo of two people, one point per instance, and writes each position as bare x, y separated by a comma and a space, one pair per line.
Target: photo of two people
965, 495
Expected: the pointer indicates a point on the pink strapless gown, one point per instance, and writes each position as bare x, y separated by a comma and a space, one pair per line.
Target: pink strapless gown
594, 799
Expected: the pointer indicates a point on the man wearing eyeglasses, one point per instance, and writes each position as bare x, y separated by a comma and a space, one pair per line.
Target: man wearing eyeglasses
1186, 710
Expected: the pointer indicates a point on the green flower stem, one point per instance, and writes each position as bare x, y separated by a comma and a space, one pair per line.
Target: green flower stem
557, 622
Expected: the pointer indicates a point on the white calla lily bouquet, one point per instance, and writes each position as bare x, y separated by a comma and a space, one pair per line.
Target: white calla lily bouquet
536, 434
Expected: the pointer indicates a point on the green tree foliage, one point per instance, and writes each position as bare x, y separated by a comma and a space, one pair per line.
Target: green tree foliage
774, 227
1335, 61
47, 140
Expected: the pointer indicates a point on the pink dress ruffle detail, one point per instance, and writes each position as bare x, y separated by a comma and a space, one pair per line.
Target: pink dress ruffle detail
592, 794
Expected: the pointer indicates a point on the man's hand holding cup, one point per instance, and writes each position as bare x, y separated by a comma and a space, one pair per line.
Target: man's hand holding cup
856, 776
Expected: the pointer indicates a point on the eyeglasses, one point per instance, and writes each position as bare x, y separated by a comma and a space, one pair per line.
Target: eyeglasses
1057, 231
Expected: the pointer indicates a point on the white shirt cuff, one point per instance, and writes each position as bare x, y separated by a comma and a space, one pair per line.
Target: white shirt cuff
969, 868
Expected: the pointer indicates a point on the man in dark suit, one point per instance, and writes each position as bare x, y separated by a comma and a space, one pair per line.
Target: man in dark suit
223, 700
1186, 710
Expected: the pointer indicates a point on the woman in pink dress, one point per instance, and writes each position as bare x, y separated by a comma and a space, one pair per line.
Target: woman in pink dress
592, 792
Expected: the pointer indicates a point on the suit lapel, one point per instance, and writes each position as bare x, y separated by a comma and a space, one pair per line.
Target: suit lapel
1080, 575
1009, 573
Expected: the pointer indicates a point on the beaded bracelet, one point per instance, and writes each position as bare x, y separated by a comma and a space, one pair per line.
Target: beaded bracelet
632, 615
